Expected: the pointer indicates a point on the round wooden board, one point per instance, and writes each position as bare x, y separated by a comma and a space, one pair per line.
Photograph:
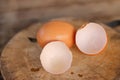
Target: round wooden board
20, 59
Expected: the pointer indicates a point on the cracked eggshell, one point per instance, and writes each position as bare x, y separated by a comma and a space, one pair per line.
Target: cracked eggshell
56, 57
91, 39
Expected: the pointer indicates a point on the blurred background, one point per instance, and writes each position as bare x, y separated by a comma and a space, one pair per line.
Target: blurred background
16, 15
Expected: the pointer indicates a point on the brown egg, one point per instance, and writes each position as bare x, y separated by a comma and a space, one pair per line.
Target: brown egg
56, 31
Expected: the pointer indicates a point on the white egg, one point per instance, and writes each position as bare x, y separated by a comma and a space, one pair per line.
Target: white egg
56, 57
91, 39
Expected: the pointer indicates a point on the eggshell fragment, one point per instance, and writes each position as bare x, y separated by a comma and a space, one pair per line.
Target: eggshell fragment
56, 58
54, 31
91, 39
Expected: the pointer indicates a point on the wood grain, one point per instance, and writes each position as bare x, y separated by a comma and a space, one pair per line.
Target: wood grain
20, 59
40, 9
18, 14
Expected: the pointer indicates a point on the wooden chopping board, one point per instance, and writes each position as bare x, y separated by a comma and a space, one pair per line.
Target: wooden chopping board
20, 59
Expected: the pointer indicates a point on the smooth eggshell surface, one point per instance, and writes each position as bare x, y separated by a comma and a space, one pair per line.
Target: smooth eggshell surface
91, 39
56, 57
56, 31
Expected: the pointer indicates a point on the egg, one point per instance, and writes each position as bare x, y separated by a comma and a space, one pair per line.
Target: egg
91, 39
56, 31
56, 57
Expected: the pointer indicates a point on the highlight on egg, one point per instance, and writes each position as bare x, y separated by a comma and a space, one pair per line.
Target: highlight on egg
91, 39
56, 57
56, 31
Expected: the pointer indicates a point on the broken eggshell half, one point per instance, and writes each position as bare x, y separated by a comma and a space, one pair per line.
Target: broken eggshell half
91, 39
56, 57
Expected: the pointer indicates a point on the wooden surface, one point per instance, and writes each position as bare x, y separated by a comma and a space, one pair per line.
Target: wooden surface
20, 59
18, 14
19, 10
